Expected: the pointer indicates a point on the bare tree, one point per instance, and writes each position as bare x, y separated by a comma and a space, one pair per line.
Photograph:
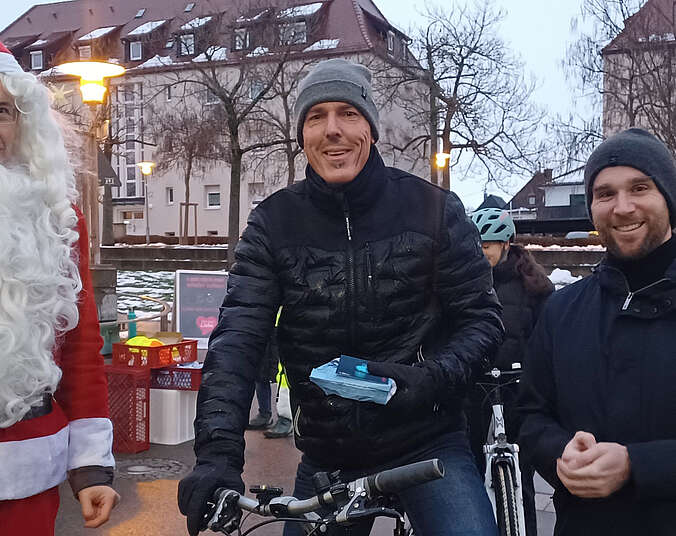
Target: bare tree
622, 65
189, 139
238, 69
468, 94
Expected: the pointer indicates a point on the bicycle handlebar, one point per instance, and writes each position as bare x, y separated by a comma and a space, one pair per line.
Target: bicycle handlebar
400, 478
226, 502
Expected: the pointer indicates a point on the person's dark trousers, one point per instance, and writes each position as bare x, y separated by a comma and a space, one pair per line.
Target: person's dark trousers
264, 397
479, 414
452, 506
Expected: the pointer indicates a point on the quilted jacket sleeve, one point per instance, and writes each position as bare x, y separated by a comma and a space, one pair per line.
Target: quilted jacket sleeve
465, 289
237, 345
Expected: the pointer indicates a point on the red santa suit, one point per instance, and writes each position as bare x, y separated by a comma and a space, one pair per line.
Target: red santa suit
72, 440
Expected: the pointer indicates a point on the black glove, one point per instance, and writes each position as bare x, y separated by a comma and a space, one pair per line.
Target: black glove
210, 473
416, 385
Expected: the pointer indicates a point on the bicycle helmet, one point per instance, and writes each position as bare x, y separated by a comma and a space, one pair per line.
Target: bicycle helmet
494, 224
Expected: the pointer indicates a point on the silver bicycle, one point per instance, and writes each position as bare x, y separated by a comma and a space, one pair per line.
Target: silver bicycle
503, 475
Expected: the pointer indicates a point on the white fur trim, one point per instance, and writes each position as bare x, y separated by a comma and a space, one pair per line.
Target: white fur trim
91, 442
33, 465
8, 64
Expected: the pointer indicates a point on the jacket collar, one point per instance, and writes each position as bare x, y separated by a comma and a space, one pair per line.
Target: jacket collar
360, 193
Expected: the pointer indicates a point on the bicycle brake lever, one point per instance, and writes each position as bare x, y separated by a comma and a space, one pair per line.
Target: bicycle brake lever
356, 508
225, 514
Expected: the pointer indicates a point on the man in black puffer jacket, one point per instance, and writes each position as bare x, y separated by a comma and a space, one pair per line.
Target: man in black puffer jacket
367, 261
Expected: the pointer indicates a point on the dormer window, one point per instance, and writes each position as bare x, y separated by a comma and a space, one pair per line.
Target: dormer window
84, 52
186, 45
293, 33
188, 7
140, 13
135, 50
241, 39
531, 200
36, 60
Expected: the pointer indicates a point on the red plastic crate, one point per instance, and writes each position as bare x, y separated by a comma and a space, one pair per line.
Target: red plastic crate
154, 356
179, 378
128, 400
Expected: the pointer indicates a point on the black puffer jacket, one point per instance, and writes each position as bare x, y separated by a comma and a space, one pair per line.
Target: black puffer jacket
376, 269
520, 307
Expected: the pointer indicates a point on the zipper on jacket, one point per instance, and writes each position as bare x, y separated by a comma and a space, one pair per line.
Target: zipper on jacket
350, 273
370, 287
630, 294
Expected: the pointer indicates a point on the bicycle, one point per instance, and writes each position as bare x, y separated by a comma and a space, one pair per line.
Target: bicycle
364, 498
502, 478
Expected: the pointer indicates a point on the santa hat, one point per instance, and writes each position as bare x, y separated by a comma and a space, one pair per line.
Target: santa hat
7, 62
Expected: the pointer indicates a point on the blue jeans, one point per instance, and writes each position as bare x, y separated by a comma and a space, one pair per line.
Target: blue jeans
456, 505
263, 396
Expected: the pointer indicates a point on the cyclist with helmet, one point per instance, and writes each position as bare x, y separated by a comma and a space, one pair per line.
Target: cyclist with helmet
522, 287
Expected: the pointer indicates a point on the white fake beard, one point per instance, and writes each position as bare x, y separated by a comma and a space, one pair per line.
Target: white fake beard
39, 287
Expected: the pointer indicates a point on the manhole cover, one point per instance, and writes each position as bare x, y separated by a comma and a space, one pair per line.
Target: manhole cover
150, 469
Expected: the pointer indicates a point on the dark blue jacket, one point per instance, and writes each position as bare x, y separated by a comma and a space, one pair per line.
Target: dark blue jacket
376, 269
603, 360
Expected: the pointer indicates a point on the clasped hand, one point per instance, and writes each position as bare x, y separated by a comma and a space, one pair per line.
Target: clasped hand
593, 470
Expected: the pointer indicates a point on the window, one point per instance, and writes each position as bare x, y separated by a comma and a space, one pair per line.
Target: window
140, 13
212, 233
131, 189
186, 45
135, 50
390, 42
169, 233
36, 60
256, 89
85, 52
189, 7
292, 33
531, 199
241, 39
169, 44
213, 196
170, 195
169, 93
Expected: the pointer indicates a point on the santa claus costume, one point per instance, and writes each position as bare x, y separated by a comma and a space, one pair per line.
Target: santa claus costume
53, 395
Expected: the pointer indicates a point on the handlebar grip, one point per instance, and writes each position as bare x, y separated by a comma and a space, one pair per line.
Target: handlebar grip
401, 478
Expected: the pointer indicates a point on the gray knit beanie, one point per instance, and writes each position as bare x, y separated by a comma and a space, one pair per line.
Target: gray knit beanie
336, 80
639, 149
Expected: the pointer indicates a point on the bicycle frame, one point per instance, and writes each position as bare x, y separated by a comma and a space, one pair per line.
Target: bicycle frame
498, 451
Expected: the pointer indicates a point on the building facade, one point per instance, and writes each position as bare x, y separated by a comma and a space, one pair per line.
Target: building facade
181, 58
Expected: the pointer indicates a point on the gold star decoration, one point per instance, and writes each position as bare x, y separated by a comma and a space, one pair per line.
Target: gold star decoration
59, 94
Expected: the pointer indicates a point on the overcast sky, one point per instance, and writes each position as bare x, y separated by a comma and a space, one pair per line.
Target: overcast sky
537, 30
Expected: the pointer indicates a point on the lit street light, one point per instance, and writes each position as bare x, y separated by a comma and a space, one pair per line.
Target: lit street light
93, 75
442, 159
146, 170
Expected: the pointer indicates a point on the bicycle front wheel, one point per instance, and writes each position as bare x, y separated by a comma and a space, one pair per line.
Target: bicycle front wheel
505, 500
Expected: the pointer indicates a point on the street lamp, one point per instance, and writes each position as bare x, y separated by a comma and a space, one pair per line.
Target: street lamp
441, 159
92, 76
146, 170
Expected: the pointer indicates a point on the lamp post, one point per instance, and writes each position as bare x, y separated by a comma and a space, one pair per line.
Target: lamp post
146, 171
93, 75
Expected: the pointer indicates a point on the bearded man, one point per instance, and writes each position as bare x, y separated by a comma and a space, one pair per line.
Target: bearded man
53, 395
598, 386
